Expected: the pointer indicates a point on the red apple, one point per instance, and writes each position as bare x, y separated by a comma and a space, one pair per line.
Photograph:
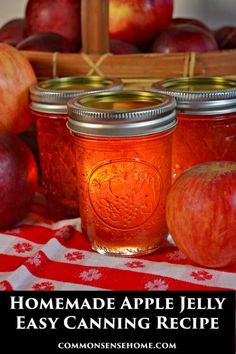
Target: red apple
201, 213
189, 21
229, 41
18, 179
59, 16
121, 47
138, 21
12, 31
16, 76
47, 42
29, 138
222, 33
183, 38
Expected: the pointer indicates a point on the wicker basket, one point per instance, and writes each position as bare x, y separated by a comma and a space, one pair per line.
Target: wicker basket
136, 70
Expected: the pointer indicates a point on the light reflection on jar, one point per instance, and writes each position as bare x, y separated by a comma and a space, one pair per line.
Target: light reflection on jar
122, 142
57, 159
206, 112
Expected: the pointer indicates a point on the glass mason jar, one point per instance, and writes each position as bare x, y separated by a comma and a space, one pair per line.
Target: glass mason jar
206, 112
122, 143
49, 107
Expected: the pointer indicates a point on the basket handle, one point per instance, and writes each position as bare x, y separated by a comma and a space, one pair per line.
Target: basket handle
94, 22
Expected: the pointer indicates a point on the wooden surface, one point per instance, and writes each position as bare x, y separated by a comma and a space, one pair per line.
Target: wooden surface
135, 68
94, 21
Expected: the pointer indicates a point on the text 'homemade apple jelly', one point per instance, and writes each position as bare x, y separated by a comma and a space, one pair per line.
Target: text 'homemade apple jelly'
206, 111
49, 106
122, 143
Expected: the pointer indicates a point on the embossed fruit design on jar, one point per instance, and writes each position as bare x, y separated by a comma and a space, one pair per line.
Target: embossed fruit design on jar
108, 191
49, 106
206, 111
122, 142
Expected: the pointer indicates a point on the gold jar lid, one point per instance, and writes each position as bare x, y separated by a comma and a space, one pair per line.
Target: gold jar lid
200, 95
121, 113
51, 96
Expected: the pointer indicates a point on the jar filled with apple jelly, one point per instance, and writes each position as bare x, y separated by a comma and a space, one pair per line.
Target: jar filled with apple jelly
122, 143
49, 107
206, 112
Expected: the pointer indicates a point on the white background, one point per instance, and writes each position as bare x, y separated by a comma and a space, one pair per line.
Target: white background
215, 13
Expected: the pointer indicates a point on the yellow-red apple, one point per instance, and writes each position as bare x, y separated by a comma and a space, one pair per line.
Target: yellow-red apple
138, 21
16, 76
201, 213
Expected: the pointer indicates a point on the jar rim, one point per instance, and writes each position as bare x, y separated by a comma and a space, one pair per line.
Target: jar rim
51, 96
200, 94
121, 113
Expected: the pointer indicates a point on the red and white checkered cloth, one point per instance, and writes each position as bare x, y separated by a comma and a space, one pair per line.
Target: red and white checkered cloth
42, 253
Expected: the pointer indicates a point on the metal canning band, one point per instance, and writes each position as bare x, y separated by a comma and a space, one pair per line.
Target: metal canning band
51, 96
200, 95
121, 113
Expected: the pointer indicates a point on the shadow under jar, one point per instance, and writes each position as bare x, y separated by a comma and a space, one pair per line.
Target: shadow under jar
122, 143
206, 112
57, 160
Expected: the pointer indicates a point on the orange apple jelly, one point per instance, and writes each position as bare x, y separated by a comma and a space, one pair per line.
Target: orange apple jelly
206, 112
123, 142
49, 106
